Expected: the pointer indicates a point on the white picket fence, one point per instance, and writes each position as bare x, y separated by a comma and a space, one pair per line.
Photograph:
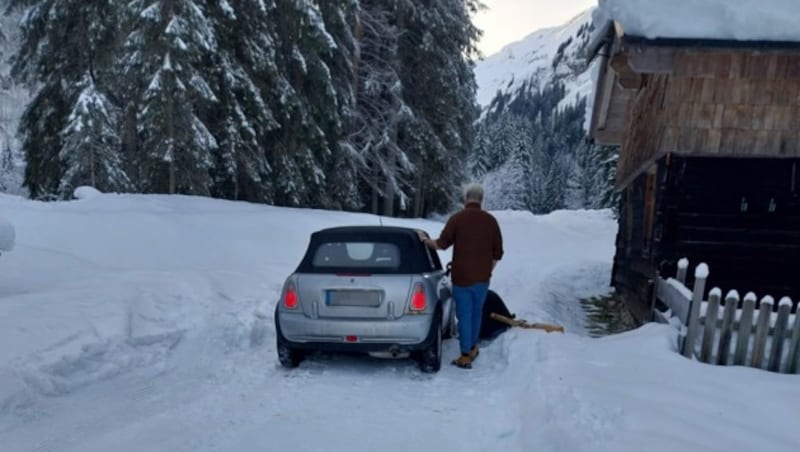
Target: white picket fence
727, 334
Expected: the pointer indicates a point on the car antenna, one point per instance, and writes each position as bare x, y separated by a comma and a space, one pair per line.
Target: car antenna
380, 219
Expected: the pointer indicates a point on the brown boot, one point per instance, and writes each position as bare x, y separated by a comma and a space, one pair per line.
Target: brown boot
463, 361
474, 352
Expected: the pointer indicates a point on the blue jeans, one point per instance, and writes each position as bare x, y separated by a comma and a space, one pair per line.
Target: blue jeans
469, 310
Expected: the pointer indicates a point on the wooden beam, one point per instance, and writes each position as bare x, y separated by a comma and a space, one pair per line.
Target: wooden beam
627, 78
631, 81
644, 59
608, 137
605, 100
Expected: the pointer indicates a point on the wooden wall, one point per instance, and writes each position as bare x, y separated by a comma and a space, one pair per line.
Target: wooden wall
738, 102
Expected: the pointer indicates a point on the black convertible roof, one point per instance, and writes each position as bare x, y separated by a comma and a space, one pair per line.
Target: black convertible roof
366, 230
415, 257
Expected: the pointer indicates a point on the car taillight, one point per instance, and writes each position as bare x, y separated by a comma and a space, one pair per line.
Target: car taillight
418, 301
290, 297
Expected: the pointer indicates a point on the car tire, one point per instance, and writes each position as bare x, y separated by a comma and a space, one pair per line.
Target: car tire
430, 357
288, 356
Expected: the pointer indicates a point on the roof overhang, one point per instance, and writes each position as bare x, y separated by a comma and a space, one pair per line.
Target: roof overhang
626, 58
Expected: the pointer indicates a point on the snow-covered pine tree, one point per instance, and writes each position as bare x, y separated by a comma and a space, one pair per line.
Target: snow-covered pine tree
309, 113
91, 150
524, 154
608, 156
479, 162
171, 48
62, 41
436, 51
6, 158
6, 165
380, 108
505, 188
244, 75
342, 169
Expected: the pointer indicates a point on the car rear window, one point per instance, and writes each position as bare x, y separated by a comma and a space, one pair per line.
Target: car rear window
357, 256
361, 250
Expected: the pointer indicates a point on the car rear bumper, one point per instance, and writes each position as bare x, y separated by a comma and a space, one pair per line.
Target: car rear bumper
408, 333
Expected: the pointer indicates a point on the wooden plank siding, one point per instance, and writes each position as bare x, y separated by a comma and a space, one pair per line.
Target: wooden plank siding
713, 102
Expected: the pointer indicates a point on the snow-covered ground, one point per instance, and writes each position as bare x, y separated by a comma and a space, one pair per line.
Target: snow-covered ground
144, 323
7, 235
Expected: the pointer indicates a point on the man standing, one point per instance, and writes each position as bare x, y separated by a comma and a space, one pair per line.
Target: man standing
477, 246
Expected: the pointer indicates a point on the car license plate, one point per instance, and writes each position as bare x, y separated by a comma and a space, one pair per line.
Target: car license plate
365, 298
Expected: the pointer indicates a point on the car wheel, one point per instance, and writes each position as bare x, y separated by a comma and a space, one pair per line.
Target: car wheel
288, 356
430, 358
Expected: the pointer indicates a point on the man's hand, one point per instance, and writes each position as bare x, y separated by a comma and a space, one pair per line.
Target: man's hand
422, 235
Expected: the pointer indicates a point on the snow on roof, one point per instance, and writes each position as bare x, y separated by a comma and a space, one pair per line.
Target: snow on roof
739, 20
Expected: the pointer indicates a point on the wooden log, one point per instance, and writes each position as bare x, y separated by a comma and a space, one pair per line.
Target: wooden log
650, 59
710, 327
794, 346
762, 329
726, 330
700, 277
778, 333
745, 329
683, 267
550, 328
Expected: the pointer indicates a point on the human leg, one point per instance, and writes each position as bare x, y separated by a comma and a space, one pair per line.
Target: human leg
478, 293
464, 299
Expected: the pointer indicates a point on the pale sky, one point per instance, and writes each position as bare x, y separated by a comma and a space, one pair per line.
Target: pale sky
506, 21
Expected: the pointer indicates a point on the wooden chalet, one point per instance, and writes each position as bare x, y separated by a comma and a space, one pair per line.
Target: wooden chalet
708, 169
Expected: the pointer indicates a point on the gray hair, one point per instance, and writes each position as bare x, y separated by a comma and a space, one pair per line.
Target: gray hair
473, 192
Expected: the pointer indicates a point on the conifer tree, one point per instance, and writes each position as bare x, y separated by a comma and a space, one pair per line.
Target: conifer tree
63, 41
170, 48
90, 154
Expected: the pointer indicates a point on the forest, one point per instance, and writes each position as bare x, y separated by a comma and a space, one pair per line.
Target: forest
342, 104
359, 105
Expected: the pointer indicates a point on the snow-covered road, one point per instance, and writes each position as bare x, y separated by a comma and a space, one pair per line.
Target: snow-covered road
144, 323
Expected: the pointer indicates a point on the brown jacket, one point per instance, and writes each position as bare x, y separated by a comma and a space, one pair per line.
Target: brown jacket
477, 242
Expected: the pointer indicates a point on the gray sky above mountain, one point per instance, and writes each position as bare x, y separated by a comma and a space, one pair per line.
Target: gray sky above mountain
506, 21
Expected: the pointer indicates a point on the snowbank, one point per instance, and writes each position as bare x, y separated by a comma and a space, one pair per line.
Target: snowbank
7, 235
86, 192
742, 20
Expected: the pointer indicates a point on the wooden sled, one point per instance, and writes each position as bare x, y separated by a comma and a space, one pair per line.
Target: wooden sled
550, 328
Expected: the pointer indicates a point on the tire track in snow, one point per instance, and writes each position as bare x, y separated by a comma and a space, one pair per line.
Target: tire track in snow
145, 393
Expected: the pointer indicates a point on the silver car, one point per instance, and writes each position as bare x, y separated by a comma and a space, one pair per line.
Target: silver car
368, 289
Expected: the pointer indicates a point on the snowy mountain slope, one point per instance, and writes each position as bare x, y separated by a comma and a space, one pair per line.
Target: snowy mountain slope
134, 323
542, 57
